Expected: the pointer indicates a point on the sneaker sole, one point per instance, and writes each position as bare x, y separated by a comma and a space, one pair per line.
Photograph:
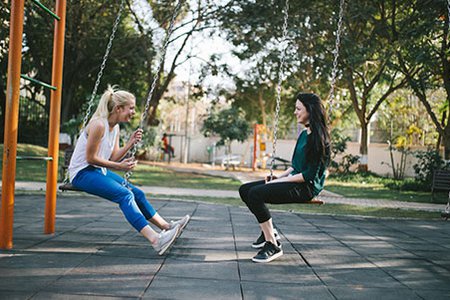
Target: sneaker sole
164, 249
275, 256
180, 229
184, 225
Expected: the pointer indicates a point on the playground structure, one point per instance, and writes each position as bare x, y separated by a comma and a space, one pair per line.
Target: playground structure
11, 118
13, 86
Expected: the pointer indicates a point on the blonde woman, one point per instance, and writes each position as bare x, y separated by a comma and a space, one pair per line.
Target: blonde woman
97, 151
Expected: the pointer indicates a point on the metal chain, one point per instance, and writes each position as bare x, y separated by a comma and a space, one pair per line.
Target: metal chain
448, 11
99, 75
337, 46
447, 208
128, 174
102, 66
278, 90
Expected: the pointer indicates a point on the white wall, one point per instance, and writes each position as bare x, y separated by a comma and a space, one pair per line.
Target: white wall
378, 153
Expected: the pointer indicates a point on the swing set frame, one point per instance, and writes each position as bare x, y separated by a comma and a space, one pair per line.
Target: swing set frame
12, 115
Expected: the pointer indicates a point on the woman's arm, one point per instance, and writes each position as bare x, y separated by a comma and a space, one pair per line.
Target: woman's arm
95, 132
294, 178
118, 153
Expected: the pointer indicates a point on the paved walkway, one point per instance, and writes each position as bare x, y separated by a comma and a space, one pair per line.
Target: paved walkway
95, 254
245, 176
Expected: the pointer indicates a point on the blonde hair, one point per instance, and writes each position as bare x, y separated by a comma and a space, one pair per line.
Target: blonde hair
112, 98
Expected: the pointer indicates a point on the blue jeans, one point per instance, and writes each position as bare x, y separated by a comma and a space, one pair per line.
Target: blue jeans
132, 202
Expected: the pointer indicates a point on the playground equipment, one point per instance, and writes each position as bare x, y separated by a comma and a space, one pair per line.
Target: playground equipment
280, 80
11, 118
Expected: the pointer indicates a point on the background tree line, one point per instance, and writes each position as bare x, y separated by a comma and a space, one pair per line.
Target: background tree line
390, 50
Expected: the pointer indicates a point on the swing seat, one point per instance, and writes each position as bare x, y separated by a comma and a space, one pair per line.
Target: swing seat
314, 201
68, 187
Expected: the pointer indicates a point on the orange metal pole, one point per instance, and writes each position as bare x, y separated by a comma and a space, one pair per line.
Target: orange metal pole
255, 139
55, 111
11, 124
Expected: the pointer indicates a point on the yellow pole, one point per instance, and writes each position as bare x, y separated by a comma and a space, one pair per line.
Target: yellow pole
11, 124
55, 111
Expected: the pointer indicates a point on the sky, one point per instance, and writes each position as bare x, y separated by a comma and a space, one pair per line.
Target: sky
201, 46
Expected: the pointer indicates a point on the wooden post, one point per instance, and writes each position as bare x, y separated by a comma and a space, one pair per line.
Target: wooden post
55, 111
11, 124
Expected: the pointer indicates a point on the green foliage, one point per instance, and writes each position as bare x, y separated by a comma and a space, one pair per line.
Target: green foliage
428, 161
338, 146
230, 124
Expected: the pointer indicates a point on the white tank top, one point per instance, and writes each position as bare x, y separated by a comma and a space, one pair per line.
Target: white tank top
78, 161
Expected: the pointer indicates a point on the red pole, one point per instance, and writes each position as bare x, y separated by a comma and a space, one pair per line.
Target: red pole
55, 111
255, 142
11, 124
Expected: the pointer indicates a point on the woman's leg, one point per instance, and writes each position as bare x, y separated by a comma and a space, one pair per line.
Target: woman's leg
144, 205
274, 193
147, 209
245, 188
92, 181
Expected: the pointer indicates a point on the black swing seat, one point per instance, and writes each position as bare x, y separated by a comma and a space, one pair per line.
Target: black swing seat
68, 187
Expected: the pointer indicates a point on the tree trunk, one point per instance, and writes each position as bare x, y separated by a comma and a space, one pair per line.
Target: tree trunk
363, 149
262, 107
446, 142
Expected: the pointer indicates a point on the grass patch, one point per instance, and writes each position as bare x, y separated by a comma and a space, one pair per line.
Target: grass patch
31, 170
374, 187
157, 176
333, 209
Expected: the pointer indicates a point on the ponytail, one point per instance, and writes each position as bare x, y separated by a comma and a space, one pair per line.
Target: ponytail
111, 98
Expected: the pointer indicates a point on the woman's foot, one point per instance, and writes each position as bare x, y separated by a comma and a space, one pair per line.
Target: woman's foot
268, 253
165, 239
181, 222
259, 243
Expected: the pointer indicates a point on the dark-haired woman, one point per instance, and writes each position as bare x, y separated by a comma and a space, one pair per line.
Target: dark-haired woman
299, 183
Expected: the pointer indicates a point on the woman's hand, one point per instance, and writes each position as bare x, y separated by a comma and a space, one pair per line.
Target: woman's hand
127, 164
269, 178
136, 137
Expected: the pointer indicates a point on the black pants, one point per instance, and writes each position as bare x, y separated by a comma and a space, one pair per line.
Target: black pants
256, 194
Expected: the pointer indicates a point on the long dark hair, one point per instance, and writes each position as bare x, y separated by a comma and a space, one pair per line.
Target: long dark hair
318, 145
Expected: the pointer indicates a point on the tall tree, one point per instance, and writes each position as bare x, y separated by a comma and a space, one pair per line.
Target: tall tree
423, 52
195, 17
365, 65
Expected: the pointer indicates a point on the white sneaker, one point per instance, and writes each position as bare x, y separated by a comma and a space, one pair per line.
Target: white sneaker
165, 239
181, 222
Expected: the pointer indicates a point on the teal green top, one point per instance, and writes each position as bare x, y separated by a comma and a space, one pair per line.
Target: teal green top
313, 172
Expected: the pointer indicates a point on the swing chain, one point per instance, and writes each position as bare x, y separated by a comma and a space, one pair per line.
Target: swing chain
448, 15
278, 90
447, 208
337, 46
102, 67
99, 76
170, 30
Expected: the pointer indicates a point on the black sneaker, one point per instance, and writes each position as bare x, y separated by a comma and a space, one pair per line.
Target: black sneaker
262, 240
268, 253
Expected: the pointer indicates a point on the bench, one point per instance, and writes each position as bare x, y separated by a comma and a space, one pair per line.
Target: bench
279, 162
441, 181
